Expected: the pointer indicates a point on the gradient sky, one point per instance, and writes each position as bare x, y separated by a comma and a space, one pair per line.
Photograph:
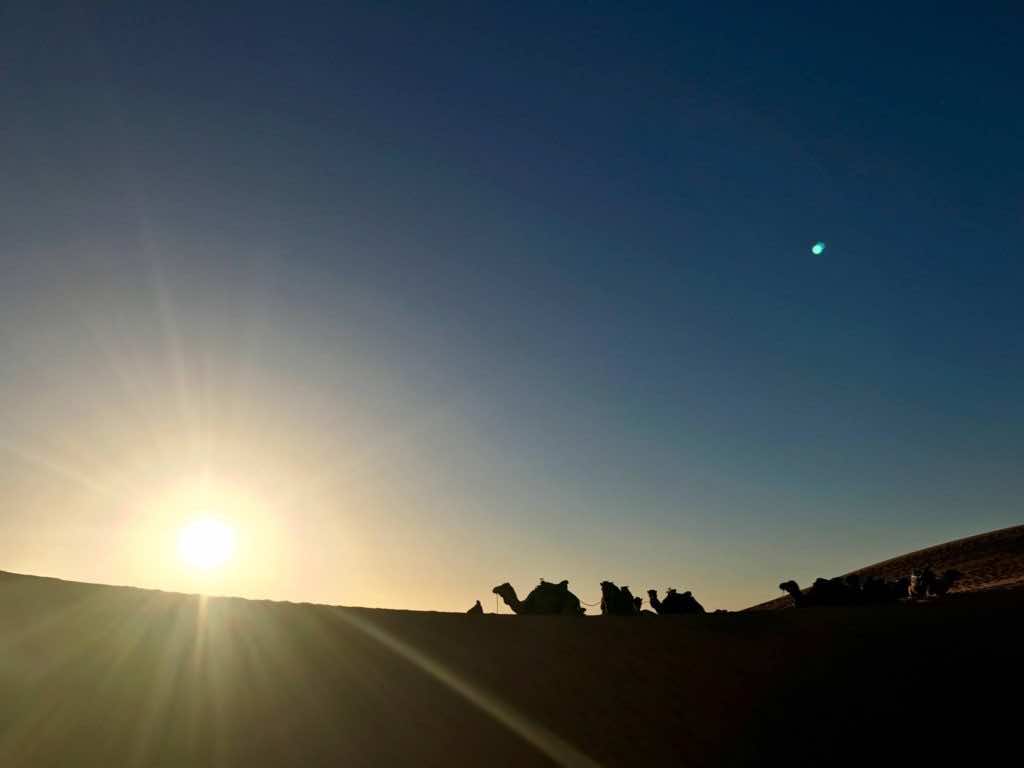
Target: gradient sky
426, 297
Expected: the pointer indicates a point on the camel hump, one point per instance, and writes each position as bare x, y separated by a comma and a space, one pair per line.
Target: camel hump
551, 597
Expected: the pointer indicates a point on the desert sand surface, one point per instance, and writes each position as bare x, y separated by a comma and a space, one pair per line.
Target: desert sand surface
993, 560
113, 676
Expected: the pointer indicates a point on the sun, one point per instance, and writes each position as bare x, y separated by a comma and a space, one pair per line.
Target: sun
206, 544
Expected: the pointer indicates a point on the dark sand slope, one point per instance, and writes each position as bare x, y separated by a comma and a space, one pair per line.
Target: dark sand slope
110, 676
993, 560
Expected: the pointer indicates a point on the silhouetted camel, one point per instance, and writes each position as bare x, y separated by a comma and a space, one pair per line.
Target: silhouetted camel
654, 600
627, 595
822, 592
616, 601
546, 598
793, 590
674, 603
924, 582
945, 582
850, 591
638, 604
921, 582
900, 588
876, 590
476, 610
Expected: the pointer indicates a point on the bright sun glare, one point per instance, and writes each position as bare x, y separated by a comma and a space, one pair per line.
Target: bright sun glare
206, 544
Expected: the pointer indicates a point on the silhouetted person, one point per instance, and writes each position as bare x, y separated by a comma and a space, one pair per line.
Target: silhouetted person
476, 610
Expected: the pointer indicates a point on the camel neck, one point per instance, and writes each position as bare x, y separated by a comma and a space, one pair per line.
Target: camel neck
513, 602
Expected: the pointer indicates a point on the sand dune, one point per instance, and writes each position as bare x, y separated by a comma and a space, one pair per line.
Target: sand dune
112, 676
993, 560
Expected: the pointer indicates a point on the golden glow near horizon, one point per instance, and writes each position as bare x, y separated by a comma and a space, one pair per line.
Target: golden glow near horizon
206, 544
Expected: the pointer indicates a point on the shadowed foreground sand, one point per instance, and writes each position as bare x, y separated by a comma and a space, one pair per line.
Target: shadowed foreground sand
111, 676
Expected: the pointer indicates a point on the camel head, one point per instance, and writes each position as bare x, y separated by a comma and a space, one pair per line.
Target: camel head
790, 586
608, 589
504, 590
652, 592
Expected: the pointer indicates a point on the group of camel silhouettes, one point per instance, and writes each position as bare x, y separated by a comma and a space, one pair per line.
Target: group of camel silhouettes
551, 598
852, 590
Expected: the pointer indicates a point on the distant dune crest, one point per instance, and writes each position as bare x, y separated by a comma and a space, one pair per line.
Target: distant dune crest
993, 560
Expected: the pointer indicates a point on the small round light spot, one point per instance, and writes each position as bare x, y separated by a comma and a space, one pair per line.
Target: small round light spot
818, 248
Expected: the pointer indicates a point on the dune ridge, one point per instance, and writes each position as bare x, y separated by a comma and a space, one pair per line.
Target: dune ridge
94, 675
991, 560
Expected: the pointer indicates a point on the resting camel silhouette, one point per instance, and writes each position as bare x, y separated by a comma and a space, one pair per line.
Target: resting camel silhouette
924, 582
945, 582
546, 598
821, 592
674, 603
617, 601
850, 590
875, 590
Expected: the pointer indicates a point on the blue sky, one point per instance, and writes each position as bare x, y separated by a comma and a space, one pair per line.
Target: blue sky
509, 289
